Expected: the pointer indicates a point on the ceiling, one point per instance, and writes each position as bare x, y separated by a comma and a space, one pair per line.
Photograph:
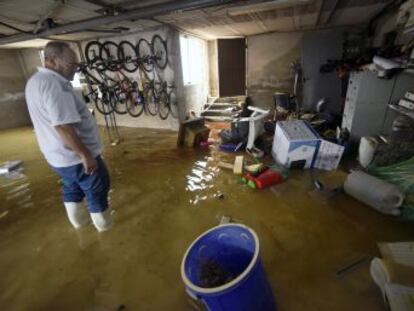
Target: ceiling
236, 18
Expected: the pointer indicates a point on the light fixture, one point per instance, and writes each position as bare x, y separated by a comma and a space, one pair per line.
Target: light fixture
264, 6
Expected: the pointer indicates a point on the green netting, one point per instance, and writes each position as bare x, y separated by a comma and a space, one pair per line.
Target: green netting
402, 175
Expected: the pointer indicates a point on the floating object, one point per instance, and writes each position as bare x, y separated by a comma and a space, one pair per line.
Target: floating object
219, 195
382, 196
226, 165
295, 144
352, 266
225, 219
253, 167
229, 147
367, 148
192, 133
238, 165
264, 179
205, 144
9, 166
228, 257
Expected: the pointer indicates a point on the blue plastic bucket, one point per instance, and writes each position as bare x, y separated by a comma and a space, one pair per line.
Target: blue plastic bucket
222, 268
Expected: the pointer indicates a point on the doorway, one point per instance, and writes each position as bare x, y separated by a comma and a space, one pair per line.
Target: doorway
232, 67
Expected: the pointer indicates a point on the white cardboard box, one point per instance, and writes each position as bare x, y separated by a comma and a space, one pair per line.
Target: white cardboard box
406, 104
295, 143
329, 155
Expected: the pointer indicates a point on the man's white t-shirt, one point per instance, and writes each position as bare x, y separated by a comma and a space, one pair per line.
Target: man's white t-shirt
51, 101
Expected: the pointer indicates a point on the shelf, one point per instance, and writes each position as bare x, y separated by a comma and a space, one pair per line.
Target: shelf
402, 110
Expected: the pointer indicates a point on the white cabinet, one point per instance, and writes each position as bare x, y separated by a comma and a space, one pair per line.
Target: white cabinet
366, 110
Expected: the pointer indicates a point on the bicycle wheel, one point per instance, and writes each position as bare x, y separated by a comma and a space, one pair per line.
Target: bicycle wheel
172, 99
159, 50
109, 55
135, 103
127, 56
163, 105
118, 101
92, 51
144, 52
150, 102
103, 103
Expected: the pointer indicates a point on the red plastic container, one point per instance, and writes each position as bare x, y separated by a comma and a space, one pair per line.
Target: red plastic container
266, 179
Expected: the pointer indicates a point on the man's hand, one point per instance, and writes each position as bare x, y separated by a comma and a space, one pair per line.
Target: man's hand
89, 164
72, 140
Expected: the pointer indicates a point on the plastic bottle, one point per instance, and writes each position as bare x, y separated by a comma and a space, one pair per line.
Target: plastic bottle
265, 179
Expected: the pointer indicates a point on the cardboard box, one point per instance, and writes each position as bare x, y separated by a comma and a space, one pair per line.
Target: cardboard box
195, 135
329, 155
406, 104
295, 144
189, 124
409, 95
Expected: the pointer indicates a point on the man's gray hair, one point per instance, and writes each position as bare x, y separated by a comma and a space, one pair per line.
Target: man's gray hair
55, 49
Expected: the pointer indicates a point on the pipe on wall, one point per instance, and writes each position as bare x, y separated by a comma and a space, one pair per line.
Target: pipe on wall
146, 12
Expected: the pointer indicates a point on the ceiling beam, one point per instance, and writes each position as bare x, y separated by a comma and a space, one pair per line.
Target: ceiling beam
53, 7
318, 16
146, 12
331, 13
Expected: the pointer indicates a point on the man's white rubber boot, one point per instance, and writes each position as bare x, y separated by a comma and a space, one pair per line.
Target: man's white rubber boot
102, 221
77, 213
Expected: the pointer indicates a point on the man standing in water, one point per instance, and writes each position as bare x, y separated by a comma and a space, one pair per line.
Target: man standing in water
68, 137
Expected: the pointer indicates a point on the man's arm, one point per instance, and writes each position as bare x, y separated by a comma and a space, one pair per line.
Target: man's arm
72, 140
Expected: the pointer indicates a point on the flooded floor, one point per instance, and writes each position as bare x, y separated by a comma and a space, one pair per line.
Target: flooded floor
163, 198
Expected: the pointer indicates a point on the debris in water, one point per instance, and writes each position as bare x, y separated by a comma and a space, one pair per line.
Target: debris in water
4, 214
219, 195
225, 219
212, 274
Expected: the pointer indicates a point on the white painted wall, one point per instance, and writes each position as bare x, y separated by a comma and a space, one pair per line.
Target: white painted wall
168, 74
195, 95
190, 98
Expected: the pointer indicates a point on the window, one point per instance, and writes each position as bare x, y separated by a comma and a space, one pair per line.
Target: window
191, 59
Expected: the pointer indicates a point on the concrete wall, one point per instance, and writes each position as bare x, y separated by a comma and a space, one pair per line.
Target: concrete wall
30, 60
213, 68
13, 111
268, 65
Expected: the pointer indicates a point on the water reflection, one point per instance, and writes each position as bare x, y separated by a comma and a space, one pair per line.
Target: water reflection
201, 179
17, 191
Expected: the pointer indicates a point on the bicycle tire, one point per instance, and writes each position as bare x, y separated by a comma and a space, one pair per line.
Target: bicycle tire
109, 55
118, 101
144, 52
103, 106
92, 52
159, 51
172, 100
135, 104
163, 105
151, 102
123, 56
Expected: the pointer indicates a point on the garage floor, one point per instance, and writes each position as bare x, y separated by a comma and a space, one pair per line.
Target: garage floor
162, 199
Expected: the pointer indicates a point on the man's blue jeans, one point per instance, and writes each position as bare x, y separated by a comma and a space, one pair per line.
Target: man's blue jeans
77, 185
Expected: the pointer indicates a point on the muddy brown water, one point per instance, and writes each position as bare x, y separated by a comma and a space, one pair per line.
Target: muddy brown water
163, 198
